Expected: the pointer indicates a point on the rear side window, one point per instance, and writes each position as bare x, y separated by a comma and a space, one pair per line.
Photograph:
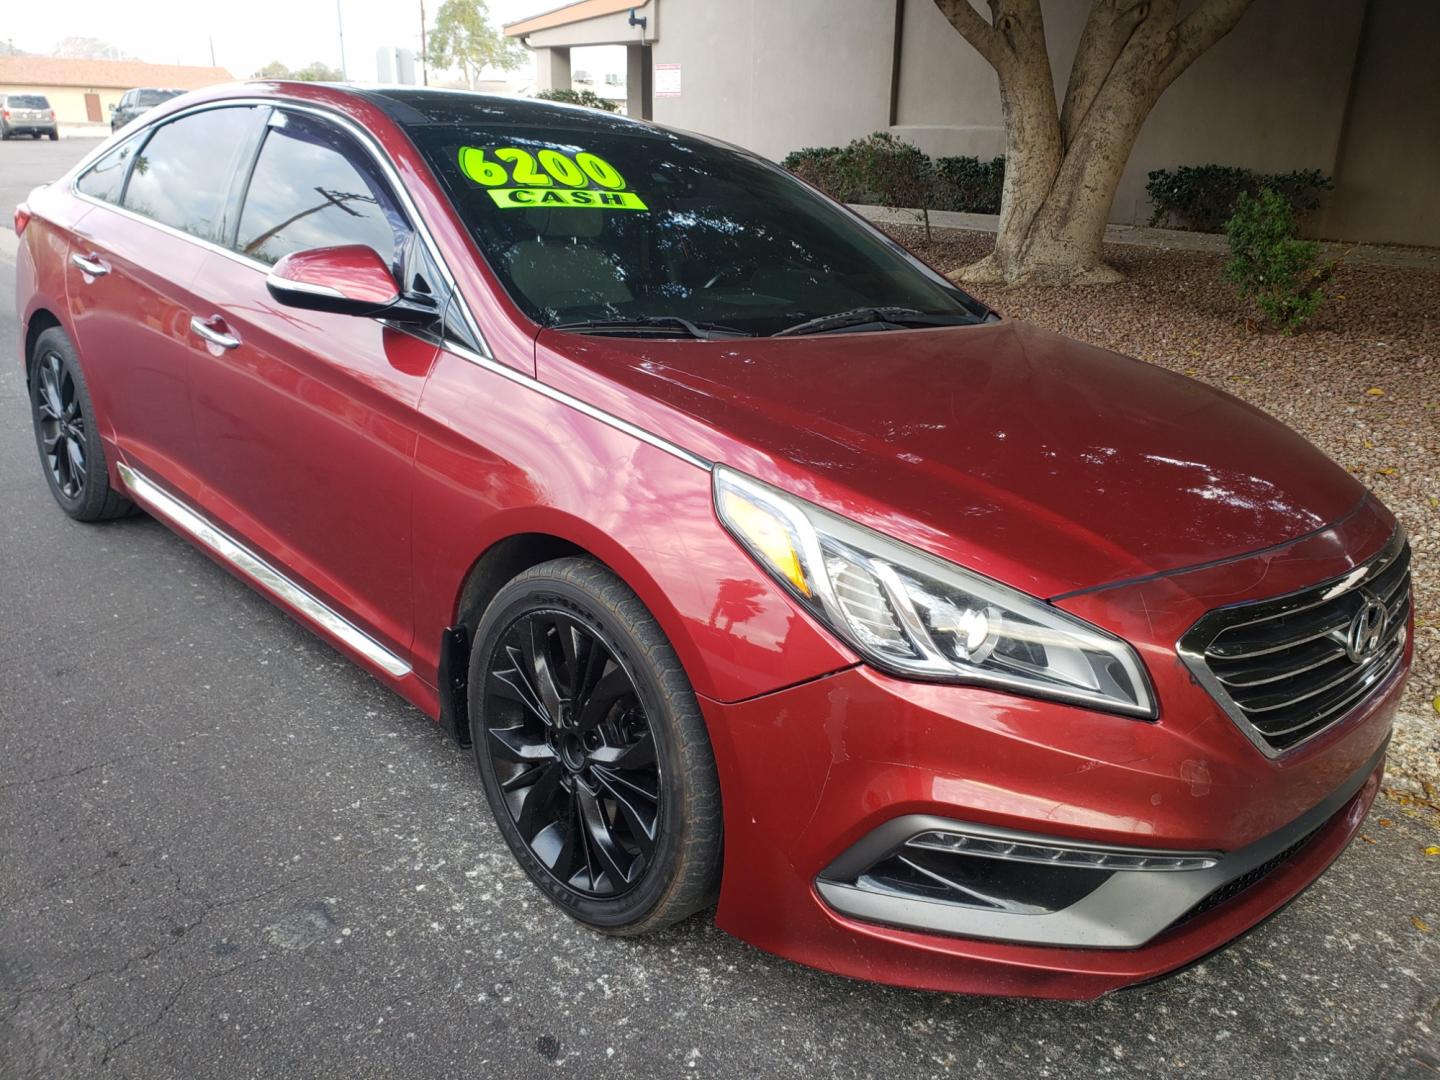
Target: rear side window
182, 176
313, 187
106, 178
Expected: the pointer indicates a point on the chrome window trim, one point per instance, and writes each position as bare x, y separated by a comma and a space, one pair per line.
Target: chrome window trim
363, 137
258, 571
1321, 592
483, 359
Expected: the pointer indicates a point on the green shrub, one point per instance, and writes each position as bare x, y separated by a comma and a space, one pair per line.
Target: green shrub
882, 170
822, 167
1270, 265
1203, 197
968, 184
579, 97
889, 172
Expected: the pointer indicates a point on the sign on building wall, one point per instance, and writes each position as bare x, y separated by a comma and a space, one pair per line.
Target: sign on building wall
667, 80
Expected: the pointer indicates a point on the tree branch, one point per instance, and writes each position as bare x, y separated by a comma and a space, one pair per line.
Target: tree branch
1107, 31
975, 29
1206, 25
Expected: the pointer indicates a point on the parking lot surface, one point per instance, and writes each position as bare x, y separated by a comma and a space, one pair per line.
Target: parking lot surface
225, 852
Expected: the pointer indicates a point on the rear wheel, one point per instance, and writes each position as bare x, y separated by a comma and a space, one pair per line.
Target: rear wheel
54, 135
592, 750
66, 434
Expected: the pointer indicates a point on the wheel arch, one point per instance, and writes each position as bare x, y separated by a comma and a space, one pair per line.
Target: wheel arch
510, 555
41, 319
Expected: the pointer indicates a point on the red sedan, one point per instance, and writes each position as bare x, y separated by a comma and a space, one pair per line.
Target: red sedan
757, 563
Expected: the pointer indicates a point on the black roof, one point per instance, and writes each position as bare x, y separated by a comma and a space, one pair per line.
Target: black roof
412, 106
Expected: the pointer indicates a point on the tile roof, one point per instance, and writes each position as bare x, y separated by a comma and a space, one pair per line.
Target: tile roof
25, 71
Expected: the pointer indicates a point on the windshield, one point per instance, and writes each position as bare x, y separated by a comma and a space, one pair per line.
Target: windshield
155, 97
605, 223
27, 101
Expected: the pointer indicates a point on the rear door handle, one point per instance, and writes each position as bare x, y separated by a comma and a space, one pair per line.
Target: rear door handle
90, 265
202, 328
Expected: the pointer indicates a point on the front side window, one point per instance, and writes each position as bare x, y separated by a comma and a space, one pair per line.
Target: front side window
609, 221
106, 178
313, 187
182, 175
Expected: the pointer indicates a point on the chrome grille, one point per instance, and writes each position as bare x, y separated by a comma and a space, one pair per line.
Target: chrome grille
1286, 669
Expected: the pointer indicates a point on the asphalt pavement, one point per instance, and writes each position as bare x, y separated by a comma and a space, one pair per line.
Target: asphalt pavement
226, 852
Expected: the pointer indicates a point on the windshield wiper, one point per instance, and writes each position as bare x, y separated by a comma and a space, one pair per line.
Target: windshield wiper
652, 325
891, 316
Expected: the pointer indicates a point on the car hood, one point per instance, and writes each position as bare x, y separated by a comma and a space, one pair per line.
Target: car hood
1046, 463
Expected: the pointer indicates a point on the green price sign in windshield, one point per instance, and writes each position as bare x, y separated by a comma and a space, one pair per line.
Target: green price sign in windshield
518, 179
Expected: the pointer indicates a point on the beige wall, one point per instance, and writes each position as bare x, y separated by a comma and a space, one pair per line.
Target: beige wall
69, 101
1351, 87
777, 76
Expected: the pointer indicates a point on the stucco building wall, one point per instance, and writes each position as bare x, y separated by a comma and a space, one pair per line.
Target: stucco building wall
1350, 87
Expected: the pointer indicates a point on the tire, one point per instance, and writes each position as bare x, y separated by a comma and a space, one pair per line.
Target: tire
585, 843
64, 418
54, 135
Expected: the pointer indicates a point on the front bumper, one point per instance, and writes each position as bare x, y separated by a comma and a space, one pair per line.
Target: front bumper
821, 779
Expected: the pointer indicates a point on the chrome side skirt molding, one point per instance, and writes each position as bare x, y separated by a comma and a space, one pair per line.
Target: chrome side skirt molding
259, 572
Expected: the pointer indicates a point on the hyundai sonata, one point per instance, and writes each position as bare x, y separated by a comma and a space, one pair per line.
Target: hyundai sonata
757, 563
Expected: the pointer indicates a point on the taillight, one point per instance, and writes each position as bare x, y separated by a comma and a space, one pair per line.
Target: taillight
22, 218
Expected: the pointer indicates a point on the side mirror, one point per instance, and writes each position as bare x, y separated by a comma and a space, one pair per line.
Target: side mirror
347, 280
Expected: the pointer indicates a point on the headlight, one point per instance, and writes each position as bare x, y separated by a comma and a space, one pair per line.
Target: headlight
916, 615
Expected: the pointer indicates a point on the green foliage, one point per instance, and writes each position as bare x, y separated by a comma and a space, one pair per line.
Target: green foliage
1270, 265
313, 72
579, 97
968, 184
823, 168
884, 171
463, 38
1203, 197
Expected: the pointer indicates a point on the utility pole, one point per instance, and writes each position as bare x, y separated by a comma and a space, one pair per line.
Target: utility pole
340, 25
424, 60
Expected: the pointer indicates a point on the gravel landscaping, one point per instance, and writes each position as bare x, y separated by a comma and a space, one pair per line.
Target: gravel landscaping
1362, 383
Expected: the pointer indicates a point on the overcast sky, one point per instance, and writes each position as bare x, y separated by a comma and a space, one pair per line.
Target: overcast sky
247, 33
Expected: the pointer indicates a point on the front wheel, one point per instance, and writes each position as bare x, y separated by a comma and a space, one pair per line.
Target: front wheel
592, 750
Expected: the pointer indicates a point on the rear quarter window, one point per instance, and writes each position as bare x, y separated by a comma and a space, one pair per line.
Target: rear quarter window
106, 178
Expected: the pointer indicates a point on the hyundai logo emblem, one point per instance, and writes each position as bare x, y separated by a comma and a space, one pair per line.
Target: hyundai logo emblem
1366, 632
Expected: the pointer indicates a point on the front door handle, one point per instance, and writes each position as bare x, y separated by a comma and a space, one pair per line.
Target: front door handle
202, 328
90, 265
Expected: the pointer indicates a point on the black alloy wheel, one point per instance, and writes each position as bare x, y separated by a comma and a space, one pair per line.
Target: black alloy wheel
574, 753
593, 751
66, 434
61, 424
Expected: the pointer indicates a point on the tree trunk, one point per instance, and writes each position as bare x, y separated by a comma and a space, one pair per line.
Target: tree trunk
1062, 166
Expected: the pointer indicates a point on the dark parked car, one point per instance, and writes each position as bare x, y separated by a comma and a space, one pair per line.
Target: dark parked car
755, 562
27, 114
135, 102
